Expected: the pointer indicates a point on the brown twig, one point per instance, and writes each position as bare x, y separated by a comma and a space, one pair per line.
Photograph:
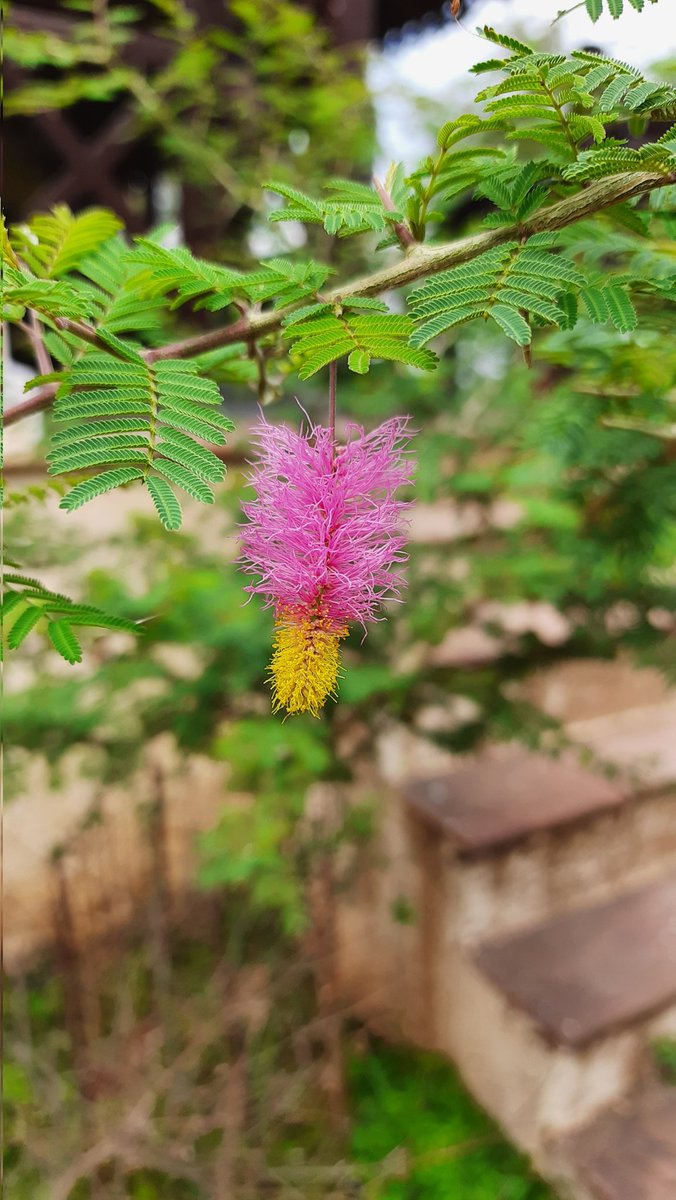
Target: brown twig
34, 331
42, 399
87, 333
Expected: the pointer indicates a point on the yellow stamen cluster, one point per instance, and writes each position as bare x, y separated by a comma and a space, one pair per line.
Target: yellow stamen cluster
305, 664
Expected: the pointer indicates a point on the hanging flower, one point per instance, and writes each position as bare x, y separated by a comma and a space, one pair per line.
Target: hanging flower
324, 543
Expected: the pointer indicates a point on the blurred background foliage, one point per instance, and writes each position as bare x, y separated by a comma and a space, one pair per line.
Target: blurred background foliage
218, 104
558, 491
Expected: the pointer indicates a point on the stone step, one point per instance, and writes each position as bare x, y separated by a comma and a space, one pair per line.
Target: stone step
593, 971
628, 1152
509, 794
531, 837
640, 741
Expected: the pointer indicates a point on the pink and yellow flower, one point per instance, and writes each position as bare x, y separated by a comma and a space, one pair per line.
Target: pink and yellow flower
325, 545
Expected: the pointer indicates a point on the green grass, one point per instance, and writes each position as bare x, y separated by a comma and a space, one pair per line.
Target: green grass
413, 1107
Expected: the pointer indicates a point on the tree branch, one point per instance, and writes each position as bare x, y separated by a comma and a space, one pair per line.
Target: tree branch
87, 333
419, 262
427, 260
34, 330
40, 400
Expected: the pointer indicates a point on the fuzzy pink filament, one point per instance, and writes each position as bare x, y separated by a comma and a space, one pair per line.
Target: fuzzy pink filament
324, 540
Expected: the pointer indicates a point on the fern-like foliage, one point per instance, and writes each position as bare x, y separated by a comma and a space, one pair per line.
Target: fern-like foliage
349, 208
159, 271
565, 102
27, 605
52, 244
518, 286
509, 284
128, 420
534, 103
284, 281
616, 159
619, 86
109, 277
61, 265
323, 333
517, 190
609, 303
615, 7
49, 297
441, 179
176, 273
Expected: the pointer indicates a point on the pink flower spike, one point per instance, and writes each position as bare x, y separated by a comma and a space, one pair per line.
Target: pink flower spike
324, 544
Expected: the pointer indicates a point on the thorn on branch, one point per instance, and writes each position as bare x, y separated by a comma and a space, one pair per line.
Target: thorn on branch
404, 235
40, 352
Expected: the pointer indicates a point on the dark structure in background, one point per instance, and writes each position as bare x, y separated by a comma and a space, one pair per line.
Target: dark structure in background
87, 155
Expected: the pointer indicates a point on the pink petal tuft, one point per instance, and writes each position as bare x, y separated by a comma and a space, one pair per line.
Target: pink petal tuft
325, 530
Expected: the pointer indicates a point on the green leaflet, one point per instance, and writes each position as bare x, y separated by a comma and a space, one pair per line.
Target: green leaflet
320, 340
186, 479
615, 7
615, 160
359, 362
349, 208
26, 603
286, 281
64, 641
512, 323
107, 481
620, 308
26, 621
159, 271
510, 284
147, 416
53, 244
166, 502
54, 298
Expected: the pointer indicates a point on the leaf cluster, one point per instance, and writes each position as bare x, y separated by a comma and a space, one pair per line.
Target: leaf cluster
615, 7
566, 105
517, 285
132, 420
349, 208
28, 605
361, 329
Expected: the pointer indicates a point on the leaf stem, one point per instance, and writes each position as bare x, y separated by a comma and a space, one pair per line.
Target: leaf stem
34, 332
333, 379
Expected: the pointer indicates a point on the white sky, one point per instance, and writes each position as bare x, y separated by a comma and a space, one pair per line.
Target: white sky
433, 67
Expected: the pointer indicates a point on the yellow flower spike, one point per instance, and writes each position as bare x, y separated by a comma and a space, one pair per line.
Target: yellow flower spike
305, 665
